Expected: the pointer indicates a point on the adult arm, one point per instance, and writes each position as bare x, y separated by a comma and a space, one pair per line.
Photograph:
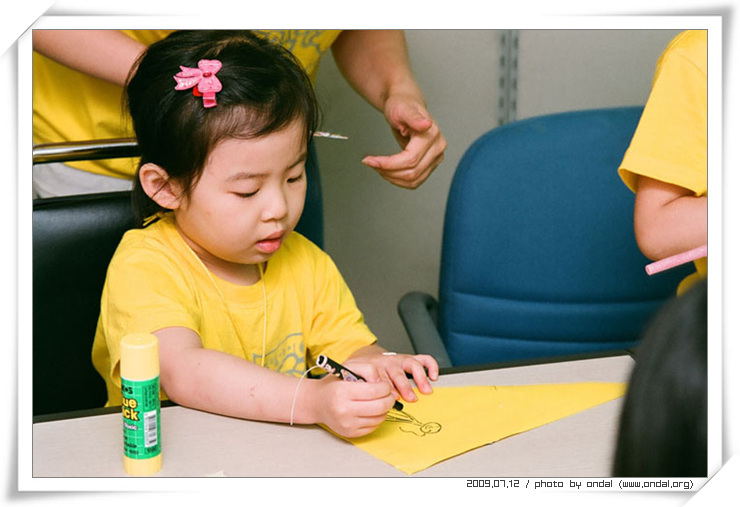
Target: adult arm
105, 54
375, 63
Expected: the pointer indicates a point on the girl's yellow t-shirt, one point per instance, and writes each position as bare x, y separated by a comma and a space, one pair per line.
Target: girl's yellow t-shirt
72, 106
156, 281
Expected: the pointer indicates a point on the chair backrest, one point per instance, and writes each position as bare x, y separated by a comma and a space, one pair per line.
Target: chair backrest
73, 241
539, 256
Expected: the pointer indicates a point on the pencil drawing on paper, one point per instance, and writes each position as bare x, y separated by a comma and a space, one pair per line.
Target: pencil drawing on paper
410, 424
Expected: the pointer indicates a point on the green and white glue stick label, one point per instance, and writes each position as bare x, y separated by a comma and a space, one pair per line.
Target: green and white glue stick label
141, 423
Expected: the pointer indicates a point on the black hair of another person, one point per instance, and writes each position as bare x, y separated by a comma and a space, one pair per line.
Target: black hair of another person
265, 89
663, 425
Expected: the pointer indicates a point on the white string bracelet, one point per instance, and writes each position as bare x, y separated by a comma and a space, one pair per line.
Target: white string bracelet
389, 353
295, 395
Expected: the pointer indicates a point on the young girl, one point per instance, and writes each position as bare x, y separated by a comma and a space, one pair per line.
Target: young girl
240, 303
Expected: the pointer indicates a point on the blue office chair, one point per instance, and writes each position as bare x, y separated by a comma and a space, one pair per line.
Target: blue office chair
539, 257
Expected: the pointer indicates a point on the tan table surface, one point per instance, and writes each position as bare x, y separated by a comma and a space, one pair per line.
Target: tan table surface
199, 444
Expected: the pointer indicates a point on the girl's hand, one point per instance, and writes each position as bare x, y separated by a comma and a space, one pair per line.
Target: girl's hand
393, 368
351, 409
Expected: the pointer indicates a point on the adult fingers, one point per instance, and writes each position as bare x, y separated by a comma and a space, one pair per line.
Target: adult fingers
413, 165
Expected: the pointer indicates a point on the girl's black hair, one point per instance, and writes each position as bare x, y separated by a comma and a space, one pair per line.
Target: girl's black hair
264, 90
663, 426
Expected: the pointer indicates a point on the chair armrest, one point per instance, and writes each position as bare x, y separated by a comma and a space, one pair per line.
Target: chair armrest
418, 312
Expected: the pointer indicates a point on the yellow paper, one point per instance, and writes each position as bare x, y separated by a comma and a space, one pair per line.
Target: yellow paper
454, 420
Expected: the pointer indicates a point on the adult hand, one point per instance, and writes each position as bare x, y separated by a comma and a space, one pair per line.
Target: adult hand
420, 138
375, 63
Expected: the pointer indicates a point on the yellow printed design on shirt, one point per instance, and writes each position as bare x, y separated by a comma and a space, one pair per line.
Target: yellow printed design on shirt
306, 45
288, 357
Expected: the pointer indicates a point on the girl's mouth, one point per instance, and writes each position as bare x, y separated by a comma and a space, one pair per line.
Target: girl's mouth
271, 244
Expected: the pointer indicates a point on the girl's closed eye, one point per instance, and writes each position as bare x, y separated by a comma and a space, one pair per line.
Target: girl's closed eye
246, 195
295, 179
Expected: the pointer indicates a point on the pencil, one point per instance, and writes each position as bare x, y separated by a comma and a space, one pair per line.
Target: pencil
676, 260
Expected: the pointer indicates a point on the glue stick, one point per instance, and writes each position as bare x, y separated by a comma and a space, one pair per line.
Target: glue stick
142, 448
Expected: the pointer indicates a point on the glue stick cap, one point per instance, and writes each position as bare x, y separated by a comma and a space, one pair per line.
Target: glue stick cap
139, 356
140, 404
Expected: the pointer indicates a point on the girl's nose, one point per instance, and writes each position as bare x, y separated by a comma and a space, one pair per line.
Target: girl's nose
276, 207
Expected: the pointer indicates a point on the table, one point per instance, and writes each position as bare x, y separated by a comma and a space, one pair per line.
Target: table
200, 444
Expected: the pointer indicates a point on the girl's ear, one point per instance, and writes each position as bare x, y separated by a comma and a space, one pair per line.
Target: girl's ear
159, 187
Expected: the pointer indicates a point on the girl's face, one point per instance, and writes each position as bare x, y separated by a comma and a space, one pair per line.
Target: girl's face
247, 200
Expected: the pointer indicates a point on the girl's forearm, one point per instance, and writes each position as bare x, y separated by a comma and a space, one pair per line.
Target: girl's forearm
214, 381
217, 382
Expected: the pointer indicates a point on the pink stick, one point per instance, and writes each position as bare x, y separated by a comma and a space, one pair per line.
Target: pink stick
676, 260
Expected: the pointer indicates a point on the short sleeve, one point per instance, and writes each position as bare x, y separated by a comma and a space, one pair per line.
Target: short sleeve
670, 142
338, 327
145, 291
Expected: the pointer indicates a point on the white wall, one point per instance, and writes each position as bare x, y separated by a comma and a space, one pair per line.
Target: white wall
386, 240
561, 70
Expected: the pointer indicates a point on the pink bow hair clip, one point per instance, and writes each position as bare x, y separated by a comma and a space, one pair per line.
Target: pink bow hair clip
202, 80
